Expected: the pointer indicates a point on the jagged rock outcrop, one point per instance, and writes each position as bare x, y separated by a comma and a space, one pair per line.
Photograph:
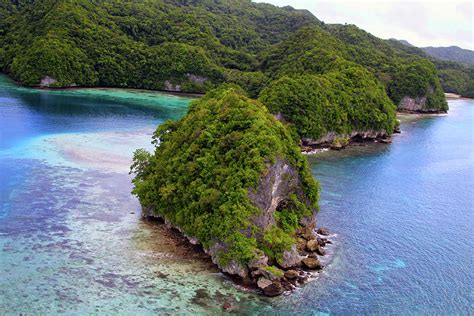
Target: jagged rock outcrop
272, 194
271, 280
312, 263
200, 80
273, 191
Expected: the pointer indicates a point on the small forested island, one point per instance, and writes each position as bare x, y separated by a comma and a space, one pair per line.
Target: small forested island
230, 175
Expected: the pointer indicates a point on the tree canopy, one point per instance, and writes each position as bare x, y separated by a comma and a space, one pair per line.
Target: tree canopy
342, 101
193, 44
196, 45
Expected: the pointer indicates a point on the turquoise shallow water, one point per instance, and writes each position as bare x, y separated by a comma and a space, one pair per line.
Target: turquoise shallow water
72, 242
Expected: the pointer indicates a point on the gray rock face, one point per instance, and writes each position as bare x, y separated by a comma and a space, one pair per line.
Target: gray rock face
331, 136
171, 87
271, 191
233, 267
263, 283
291, 258
196, 79
412, 104
416, 104
260, 262
47, 81
280, 180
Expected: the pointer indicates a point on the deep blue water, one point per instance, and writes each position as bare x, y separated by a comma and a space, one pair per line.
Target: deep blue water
72, 242
404, 216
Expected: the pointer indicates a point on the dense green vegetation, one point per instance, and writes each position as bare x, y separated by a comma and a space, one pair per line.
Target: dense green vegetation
320, 78
418, 79
455, 77
390, 64
139, 44
345, 97
340, 101
313, 50
457, 72
187, 45
200, 174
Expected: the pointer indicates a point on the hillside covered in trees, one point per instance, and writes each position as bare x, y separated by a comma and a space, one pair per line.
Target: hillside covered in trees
451, 53
162, 44
455, 76
191, 46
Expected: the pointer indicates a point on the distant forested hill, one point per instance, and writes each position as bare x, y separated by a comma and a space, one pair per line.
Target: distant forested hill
451, 53
455, 68
195, 45
455, 77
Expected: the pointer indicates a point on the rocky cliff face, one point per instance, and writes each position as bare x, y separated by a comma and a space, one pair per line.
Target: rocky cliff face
273, 193
415, 104
432, 101
338, 141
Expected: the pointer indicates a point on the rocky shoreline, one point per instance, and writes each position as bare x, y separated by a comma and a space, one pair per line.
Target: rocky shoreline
283, 281
433, 112
79, 87
310, 249
334, 141
310, 147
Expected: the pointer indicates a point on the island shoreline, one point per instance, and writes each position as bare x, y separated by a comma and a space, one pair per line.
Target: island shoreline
72, 88
291, 284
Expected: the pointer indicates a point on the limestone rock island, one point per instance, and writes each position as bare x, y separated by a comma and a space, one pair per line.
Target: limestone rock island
231, 177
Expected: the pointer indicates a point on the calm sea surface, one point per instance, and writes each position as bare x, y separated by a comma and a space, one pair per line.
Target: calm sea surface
72, 242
